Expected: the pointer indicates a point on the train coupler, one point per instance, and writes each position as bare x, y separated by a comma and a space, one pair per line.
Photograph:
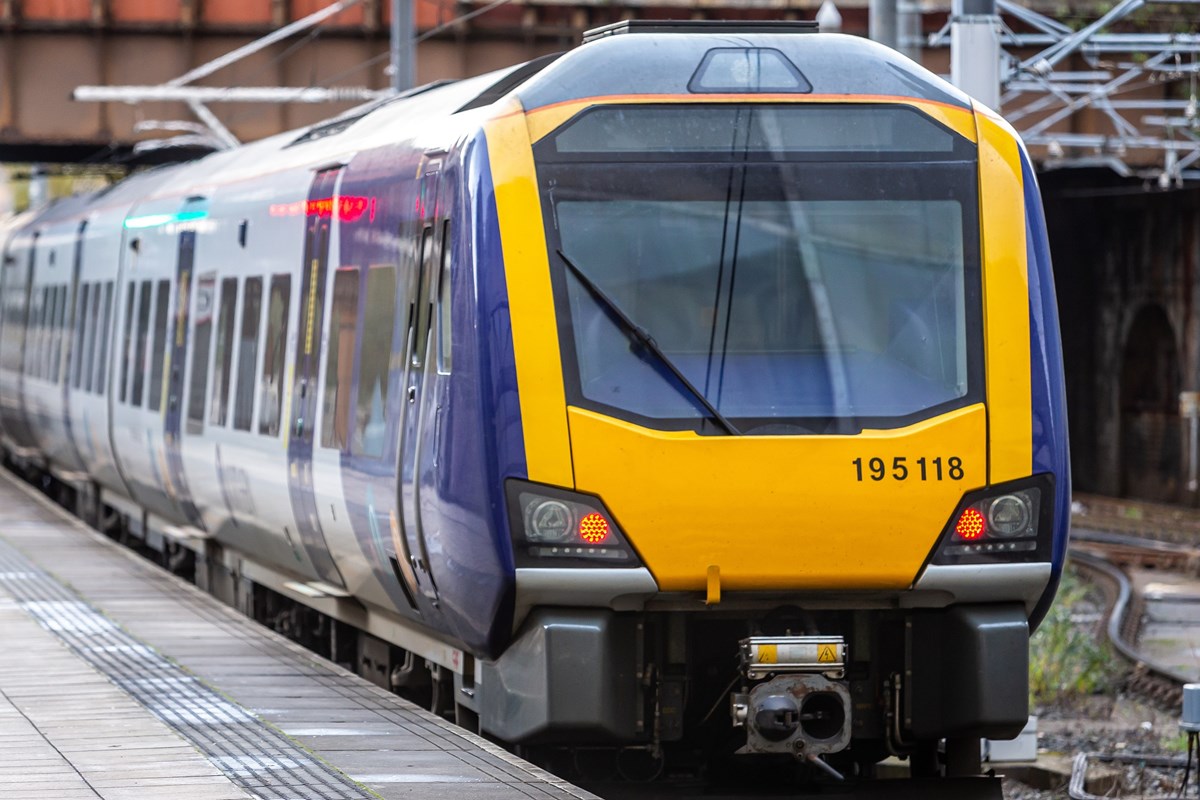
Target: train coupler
796, 699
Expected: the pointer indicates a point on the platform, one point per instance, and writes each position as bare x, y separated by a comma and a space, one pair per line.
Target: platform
119, 680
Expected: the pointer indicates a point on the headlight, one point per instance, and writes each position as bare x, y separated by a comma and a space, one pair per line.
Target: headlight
1011, 514
548, 521
1002, 523
561, 528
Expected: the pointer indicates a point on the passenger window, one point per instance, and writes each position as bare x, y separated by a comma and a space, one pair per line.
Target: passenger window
95, 327
55, 356
160, 331
443, 308
49, 357
421, 332
63, 334
106, 323
83, 307
202, 314
127, 342
271, 402
243, 407
379, 318
143, 332
223, 364
339, 358
60, 327
33, 355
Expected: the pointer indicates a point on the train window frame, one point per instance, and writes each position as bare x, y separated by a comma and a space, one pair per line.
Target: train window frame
127, 340
105, 329
369, 437
222, 359
158, 351
248, 357
141, 343
201, 350
335, 419
444, 298
275, 344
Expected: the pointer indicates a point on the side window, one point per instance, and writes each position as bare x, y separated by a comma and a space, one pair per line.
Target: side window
161, 331
379, 319
33, 351
95, 331
421, 332
443, 306
106, 324
143, 333
60, 324
202, 321
243, 406
275, 351
223, 364
37, 324
339, 358
127, 342
82, 315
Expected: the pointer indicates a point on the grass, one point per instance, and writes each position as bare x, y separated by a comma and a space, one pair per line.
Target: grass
1066, 660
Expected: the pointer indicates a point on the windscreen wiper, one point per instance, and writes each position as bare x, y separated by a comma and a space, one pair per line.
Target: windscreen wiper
642, 338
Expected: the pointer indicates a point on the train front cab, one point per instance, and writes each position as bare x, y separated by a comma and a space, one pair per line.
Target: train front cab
812, 462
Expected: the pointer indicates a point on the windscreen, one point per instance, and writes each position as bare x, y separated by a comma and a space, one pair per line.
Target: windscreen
806, 268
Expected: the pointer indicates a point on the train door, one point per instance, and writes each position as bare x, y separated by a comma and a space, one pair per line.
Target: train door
302, 416
175, 479
18, 328
71, 338
412, 417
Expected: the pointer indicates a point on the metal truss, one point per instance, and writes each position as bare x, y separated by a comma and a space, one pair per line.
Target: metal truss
214, 133
1039, 95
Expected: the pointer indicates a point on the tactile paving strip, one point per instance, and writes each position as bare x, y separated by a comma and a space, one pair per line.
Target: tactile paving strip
260, 759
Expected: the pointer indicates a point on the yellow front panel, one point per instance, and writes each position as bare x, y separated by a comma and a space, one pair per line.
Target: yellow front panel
531, 301
775, 512
1006, 300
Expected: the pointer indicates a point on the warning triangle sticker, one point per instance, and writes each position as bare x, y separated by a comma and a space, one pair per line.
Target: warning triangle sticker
826, 654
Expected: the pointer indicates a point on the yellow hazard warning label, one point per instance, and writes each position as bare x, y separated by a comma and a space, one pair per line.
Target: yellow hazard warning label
827, 654
768, 654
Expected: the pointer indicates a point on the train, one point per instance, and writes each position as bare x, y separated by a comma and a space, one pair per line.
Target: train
697, 390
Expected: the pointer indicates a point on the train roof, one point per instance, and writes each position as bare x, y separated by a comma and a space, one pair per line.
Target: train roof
651, 61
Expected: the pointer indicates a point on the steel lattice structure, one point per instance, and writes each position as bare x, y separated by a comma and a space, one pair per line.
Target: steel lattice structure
1038, 94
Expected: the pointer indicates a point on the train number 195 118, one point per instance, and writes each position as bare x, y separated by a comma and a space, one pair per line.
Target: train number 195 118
901, 469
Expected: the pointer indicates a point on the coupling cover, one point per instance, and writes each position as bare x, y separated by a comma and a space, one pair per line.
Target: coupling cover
777, 655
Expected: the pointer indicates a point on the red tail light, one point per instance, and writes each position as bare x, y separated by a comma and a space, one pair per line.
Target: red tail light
593, 528
970, 525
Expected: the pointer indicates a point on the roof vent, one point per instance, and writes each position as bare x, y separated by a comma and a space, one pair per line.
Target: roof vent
699, 26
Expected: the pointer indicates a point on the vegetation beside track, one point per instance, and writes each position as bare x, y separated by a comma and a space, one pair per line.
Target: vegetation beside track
1067, 659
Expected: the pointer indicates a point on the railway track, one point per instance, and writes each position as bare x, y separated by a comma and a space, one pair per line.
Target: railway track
1108, 557
1105, 556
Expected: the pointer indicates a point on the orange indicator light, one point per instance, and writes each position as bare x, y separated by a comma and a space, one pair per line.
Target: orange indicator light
593, 528
970, 525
